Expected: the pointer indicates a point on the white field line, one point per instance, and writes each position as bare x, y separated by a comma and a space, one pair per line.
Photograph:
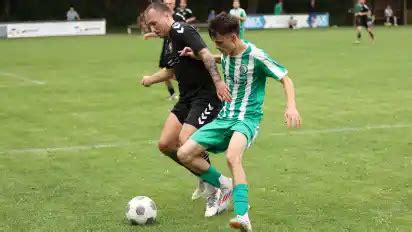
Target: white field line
342, 130
128, 144
23, 78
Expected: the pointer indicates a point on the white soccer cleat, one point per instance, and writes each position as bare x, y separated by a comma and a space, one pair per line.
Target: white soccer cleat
225, 196
212, 201
241, 223
199, 191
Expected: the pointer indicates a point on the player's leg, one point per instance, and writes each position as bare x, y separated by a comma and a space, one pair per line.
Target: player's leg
358, 34
370, 31
185, 134
213, 137
190, 154
202, 111
169, 138
237, 146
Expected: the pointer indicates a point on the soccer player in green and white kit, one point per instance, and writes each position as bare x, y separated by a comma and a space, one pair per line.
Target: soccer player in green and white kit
239, 14
245, 70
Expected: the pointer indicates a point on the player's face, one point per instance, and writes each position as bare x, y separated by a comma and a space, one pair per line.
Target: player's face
157, 21
183, 4
236, 4
171, 4
225, 43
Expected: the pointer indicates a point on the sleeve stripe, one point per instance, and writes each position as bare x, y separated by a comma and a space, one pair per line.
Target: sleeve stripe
279, 72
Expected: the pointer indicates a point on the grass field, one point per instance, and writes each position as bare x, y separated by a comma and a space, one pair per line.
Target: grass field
78, 136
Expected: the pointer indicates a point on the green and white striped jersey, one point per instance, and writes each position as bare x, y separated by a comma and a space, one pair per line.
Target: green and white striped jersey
245, 75
240, 13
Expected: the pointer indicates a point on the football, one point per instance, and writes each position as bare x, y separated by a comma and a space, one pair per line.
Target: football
141, 210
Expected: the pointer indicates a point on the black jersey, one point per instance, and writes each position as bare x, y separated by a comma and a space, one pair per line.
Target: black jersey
177, 17
193, 77
187, 13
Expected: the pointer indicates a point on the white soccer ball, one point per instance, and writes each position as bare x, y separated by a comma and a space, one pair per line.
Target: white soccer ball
141, 210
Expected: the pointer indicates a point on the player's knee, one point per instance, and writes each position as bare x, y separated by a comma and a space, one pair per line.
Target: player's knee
182, 139
184, 156
233, 160
166, 147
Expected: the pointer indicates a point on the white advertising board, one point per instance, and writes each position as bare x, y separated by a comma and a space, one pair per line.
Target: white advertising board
41, 29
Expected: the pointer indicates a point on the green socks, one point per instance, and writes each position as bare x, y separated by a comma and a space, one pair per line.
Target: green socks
240, 192
211, 176
240, 199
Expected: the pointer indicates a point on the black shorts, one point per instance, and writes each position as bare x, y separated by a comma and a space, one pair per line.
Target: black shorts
362, 21
197, 112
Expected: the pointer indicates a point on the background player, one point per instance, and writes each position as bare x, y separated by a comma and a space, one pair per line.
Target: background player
245, 68
200, 86
239, 14
362, 13
186, 12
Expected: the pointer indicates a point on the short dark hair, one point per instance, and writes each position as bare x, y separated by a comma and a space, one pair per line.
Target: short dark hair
158, 6
223, 24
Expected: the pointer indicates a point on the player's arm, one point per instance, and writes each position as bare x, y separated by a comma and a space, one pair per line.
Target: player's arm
187, 51
292, 116
270, 68
218, 58
210, 63
243, 16
191, 37
240, 18
162, 75
150, 35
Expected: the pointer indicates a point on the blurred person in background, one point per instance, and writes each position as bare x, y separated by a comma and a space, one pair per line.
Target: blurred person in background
211, 16
72, 14
239, 14
390, 16
279, 8
186, 12
292, 23
362, 13
312, 13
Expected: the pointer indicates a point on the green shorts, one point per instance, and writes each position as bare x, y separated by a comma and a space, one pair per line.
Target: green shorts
215, 136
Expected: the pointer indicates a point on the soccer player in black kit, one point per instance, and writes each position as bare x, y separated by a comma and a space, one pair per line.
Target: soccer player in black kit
200, 85
178, 17
362, 12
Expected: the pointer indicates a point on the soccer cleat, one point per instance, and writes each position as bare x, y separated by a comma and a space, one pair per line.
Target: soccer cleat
199, 191
356, 42
241, 223
212, 200
225, 196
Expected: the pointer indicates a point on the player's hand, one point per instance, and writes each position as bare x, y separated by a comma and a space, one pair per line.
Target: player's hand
187, 51
149, 35
223, 91
146, 81
292, 118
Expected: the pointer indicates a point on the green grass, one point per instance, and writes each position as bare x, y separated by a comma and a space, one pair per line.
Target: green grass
351, 180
